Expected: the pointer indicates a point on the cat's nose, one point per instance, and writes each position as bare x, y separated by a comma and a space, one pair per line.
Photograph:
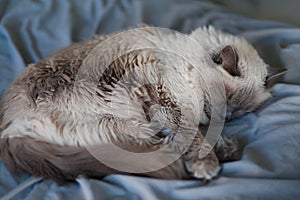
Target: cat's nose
229, 117
235, 114
229, 113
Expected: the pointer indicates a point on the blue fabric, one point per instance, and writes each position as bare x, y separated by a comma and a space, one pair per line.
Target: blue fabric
269, 137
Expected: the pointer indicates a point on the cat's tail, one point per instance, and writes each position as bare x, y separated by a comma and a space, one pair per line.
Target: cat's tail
64, 163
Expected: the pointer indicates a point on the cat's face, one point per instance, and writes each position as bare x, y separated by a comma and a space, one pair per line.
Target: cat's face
244, 73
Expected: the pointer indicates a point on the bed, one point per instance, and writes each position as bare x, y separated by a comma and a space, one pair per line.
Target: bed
269, 138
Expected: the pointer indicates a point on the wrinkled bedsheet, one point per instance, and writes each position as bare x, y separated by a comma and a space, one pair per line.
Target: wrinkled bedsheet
269, 138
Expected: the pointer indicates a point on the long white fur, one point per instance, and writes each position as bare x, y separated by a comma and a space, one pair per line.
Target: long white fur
77, 120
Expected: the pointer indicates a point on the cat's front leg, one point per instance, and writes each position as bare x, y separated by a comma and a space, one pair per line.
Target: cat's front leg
227, 149
199, 157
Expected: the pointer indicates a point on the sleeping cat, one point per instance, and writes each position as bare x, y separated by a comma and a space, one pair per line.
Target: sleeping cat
141, 90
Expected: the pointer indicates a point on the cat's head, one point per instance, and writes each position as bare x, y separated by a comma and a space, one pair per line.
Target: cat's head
247, 79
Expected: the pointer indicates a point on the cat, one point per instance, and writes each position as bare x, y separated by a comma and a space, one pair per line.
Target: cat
69, 103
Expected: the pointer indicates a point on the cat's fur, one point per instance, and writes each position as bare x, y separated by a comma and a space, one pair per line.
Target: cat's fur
46, 123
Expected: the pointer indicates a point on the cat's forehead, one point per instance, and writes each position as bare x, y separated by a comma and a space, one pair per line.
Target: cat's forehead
214, 39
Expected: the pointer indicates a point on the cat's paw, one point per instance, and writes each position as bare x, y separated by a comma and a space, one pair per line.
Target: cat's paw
206, 168
227, 149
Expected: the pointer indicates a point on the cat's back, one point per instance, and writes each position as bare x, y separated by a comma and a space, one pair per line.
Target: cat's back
50, 99
55, 73
42, 86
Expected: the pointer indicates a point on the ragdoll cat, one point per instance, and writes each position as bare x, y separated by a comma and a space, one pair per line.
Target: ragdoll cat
142, 100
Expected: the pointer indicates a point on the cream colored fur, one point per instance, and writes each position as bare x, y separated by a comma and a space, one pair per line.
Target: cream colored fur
50, 101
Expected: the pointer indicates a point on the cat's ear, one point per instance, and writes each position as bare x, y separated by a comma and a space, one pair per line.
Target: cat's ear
275, 75
228, 59
144, 25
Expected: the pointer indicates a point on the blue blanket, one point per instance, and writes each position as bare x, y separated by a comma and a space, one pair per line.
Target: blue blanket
269, 138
